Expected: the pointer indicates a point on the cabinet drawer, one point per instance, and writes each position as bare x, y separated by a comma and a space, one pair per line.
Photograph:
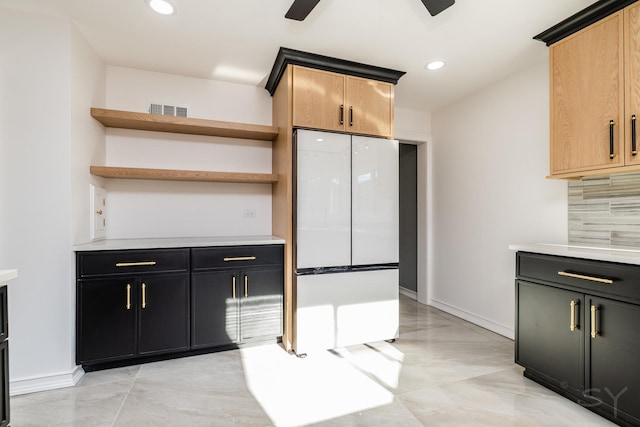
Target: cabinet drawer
132, 262
581, 274
236, 256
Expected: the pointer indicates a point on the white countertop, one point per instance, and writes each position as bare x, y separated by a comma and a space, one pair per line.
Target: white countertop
6, 275
176, 242
612, 254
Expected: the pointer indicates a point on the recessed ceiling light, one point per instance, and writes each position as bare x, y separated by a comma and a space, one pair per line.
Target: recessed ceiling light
434, 65
163, 7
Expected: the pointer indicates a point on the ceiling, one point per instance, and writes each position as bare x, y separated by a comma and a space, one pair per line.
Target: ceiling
481, 41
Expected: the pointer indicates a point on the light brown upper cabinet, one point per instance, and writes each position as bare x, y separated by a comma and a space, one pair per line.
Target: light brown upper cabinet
337, 102
595, 96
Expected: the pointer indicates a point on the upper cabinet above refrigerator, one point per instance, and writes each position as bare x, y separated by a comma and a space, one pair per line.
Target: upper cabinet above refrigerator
336, 102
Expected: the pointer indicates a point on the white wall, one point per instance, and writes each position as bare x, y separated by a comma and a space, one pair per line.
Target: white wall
490, 159
412, 126
178, 209
35, 224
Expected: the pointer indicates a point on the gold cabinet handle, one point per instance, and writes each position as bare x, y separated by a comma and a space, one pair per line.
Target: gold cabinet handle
583, 277
239, 258
99, 212
128, 296
594, 328
144, 295
246, 286
233, 287
573, 325
135, 264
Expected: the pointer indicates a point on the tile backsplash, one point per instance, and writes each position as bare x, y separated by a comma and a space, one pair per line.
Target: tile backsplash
605, 211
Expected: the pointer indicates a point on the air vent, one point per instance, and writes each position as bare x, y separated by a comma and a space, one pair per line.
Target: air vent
168, 110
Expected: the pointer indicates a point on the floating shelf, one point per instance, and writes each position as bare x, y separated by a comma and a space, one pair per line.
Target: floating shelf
182, 175
185, 125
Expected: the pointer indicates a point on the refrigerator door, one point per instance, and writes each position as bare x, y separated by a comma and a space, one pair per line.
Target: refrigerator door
323, 199
375, 181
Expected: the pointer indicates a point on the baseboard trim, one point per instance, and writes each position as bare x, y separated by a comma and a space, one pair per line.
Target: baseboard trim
50, 382
408, 293
474, 318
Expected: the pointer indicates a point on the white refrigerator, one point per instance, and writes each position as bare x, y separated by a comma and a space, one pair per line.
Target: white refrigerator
346, 236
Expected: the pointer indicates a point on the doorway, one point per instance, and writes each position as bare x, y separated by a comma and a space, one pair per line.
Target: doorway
408, 217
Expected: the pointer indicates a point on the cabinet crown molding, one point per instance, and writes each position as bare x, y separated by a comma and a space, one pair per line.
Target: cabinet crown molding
288, 56
587, 16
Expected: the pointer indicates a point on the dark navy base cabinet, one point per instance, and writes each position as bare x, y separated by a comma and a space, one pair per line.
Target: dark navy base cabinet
577, 331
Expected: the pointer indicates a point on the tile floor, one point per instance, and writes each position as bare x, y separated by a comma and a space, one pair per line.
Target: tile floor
442, 371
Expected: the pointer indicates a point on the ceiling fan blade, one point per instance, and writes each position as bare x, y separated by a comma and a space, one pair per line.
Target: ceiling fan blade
436, 6
300, 9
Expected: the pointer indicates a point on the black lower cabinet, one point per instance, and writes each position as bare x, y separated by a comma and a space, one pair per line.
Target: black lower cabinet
261, 304
232, 306
546, 342
214, 305
140, 305
237, 294
613, 351
577, 331
164, 314
4, 358
127, 317
131, 305
106, 327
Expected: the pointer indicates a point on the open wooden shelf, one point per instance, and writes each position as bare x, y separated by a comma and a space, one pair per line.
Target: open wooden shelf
185, 125
182, 175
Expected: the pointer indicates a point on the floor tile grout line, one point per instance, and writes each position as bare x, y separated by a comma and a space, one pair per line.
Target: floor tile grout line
135, 378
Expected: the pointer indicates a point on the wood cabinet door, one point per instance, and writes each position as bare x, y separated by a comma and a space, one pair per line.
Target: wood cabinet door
318, 99
586, 94
632, 82
613, 355
545, 342
369, 106
164, 313
261, 309
214, 308
106, 321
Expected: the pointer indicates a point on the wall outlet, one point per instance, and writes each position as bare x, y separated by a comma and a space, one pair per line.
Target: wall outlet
248, 213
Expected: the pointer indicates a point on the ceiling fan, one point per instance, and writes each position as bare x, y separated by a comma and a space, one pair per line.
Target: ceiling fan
301, 8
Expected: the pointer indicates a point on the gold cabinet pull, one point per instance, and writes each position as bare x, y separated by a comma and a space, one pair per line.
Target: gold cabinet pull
99, 212
239, 258
573, 325
128, 296
246, 286
135, 264
594, 328
583, 277
144, 295
233, 287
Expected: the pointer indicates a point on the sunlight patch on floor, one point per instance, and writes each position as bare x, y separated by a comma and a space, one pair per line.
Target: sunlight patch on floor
324, 385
